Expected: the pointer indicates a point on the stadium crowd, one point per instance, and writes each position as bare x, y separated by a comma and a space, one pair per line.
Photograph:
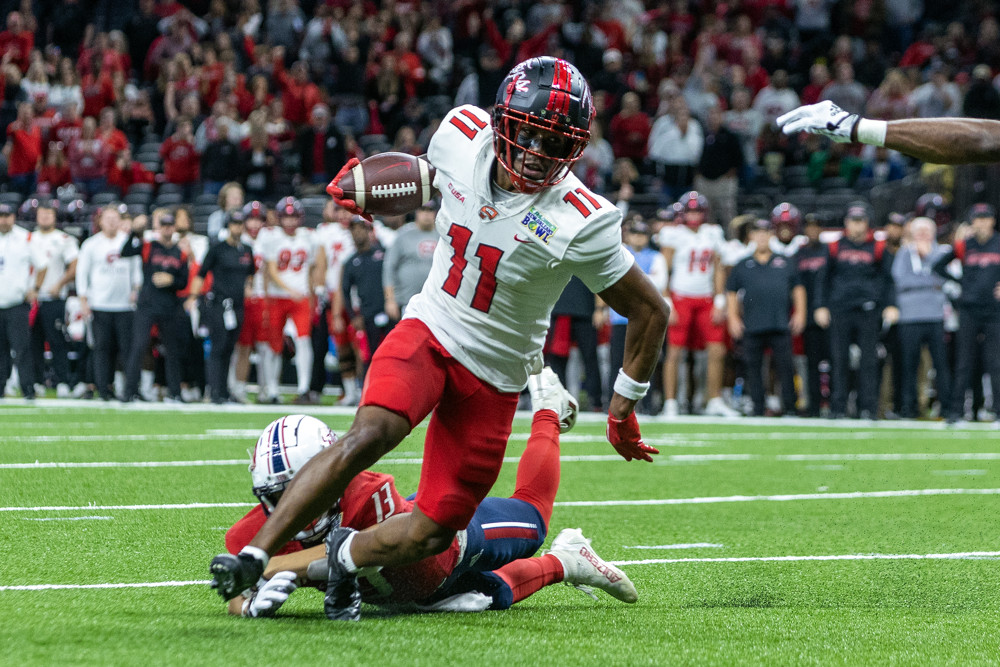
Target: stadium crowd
169, 128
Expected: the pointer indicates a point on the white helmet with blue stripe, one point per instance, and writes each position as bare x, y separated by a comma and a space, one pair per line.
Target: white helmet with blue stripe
281, 450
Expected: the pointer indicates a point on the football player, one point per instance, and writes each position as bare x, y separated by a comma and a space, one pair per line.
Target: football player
254, 331
334, 237
487, 566
786, 221
294, 266
515, 227
693, 250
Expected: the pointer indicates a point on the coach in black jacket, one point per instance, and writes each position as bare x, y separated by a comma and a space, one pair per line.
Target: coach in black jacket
164, 274
854, 295
978, 306
321, 147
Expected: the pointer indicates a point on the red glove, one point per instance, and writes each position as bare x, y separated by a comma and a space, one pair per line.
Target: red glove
338, 194
624, 436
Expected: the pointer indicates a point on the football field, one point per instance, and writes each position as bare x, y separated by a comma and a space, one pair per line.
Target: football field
750, 542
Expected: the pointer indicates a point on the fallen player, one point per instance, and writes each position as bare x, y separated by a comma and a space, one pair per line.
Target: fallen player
488, 566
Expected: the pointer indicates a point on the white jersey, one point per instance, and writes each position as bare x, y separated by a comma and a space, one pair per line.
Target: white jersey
693, 268
504, 260
104, 276
198, 244
733, 252
19, 259
258, 244
59, 249
336, 241
294, 256
787, 249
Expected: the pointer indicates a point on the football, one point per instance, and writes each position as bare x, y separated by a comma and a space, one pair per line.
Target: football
389, 183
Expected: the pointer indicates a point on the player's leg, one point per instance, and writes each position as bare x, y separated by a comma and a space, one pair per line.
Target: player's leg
869, 372
141, 332
781, 354
302, 319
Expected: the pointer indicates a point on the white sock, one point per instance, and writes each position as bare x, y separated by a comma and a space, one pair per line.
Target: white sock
303, 363
682, 378
146, 379
344, 554
350, 388
277, 360
231, 381
264, 369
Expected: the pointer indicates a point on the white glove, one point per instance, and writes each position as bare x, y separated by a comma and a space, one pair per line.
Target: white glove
824, 118
952, 289
270, 595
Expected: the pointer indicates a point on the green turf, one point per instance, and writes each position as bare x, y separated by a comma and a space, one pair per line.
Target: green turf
803, 612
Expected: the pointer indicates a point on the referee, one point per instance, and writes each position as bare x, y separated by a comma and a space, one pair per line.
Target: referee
231, 264
766, 284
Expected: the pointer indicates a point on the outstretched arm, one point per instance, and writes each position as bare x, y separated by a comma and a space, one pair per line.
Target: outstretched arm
936, 140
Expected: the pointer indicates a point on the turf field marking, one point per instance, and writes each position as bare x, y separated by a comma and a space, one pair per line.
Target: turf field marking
692, 545
244, 462
69, 518
959, 473
708, 500
961, 555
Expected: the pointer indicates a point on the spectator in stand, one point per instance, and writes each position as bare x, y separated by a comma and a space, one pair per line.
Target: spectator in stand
891, 100
66, 89
59, 251
220, 161
880, 166
165, 273
921, 315
18, 292
88, 159
746, 123
610, 79
981, 99
180, 158
675, 144
208, 131
362, 284
23, 151
408, 260
979, 303
231, 198
719, 168
323, 36
17, 41
819, 77
629, 130
854, 296
938, 97
125, 172
766, 306
109, 133
97, 89
298, 94
844, 91
900, 17
69, 125
55, 172
598, 159
870, 71
232, 267
36, 82
434, 45
776, 98
107, 285
258, 160
756, 77
321, 147
285, 24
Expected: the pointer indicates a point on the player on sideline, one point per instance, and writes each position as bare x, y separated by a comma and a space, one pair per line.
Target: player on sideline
935, 140
518, 228
487, 566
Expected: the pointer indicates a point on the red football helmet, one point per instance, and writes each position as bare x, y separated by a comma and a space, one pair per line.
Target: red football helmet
786, 216
541, 122
932, 205
290, 213
694, 209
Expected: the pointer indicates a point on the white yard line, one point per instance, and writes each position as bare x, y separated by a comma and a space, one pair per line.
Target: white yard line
69, 518
707, 500
692, 545
961, 555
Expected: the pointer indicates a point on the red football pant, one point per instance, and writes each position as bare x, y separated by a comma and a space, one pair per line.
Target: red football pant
279, 310
412, 374
694, 328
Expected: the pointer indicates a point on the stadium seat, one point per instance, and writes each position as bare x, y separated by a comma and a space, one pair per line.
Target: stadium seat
169, 199
371, 141
170, 188
834, 183
12, 198
137, 209
146, 188
102, 198
138, 199
207, 199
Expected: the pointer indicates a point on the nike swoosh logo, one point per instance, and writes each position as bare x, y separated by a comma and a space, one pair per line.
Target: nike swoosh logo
831, 127
520, 240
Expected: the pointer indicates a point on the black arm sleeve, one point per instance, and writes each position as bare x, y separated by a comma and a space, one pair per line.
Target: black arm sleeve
132, 246
941, 265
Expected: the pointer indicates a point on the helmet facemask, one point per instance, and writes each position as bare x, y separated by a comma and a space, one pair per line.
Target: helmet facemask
519, 137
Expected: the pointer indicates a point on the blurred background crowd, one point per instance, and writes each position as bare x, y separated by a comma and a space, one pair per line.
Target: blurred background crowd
194, 109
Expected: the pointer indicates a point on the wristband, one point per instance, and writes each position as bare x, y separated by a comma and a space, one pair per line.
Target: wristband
719, 301
256, 553
872, 131
629, 388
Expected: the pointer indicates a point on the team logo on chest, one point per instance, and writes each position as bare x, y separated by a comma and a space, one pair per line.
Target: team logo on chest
539, 225
488, 213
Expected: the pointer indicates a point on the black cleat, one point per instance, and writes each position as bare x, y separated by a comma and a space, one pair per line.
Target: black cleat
343, 596
231, 575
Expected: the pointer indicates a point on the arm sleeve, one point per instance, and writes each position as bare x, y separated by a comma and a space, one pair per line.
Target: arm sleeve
822, 275
597, 255
71, 250
888, 284
132, 246
941, 265
182, 273
209, 262
83, 272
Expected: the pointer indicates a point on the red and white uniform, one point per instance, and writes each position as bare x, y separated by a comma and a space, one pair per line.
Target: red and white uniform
254, 328
692, 283
369, 499
294, 255
337, 244
468, 340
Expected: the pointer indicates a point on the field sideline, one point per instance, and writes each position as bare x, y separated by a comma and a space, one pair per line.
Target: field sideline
753, 541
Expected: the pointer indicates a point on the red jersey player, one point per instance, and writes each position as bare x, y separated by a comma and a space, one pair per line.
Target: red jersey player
523, 227
487, 566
